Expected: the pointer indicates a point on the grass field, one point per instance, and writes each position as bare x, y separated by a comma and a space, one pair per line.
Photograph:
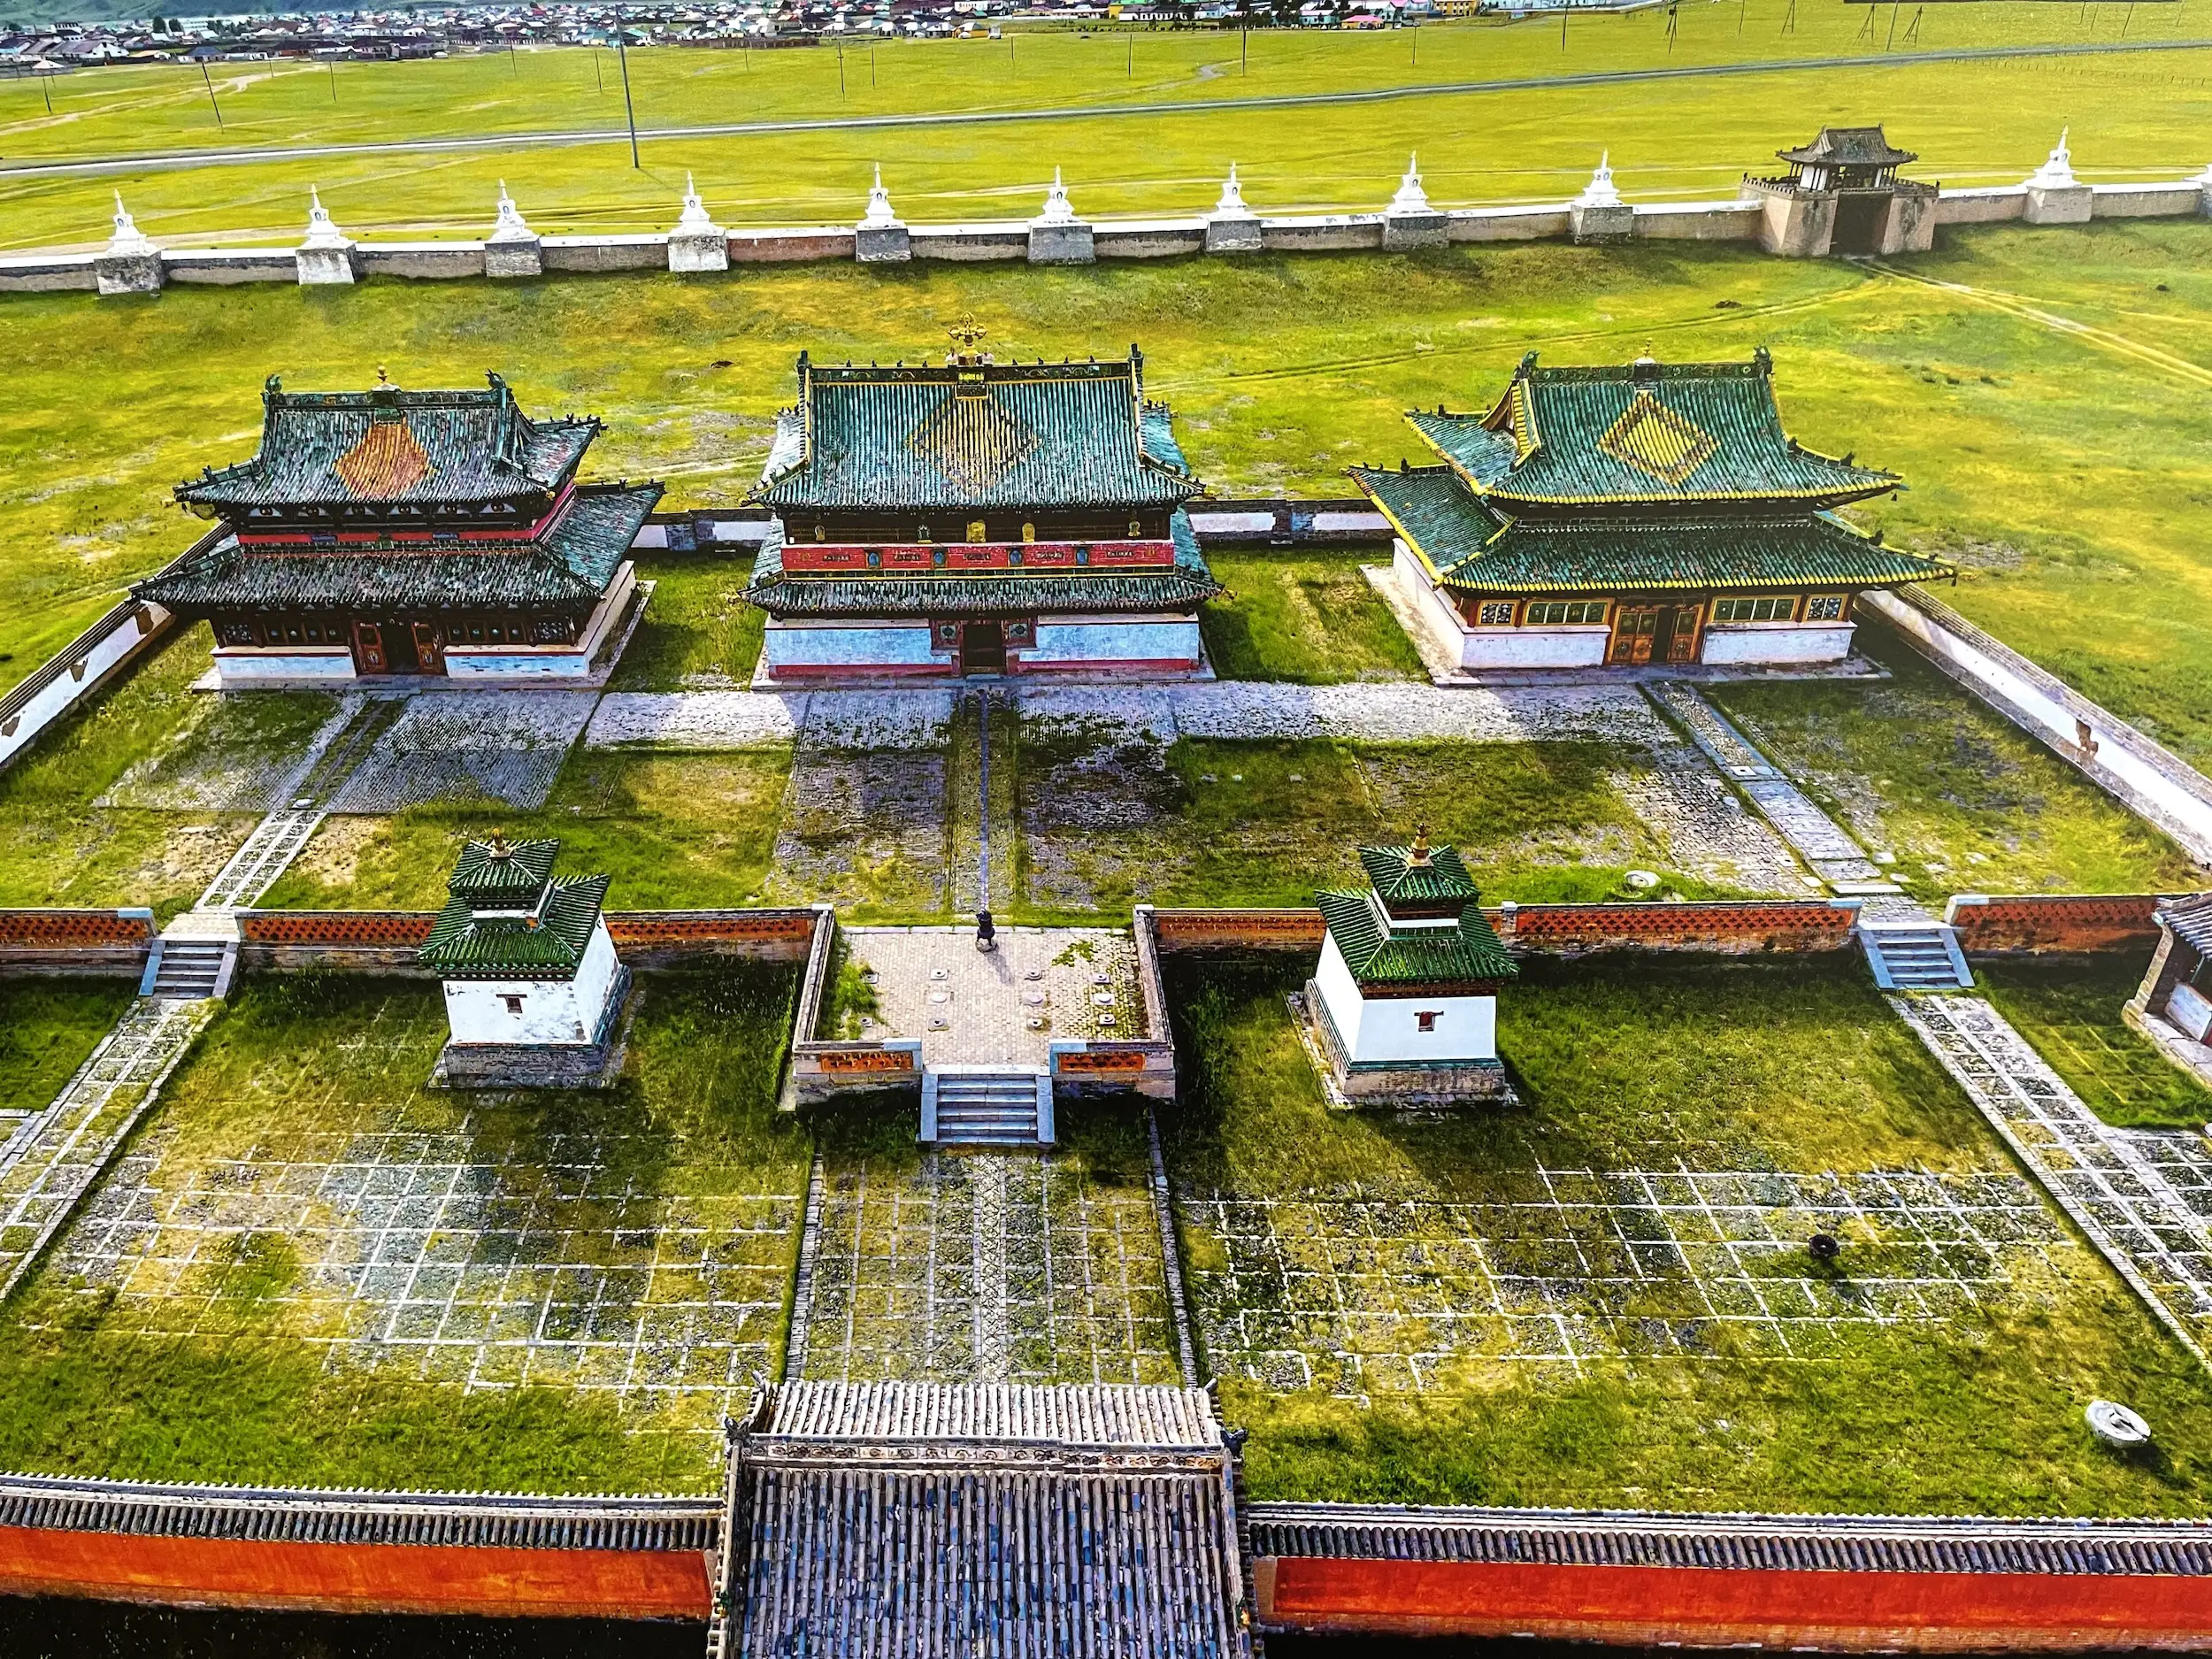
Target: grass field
248, 1336
47, 1029
695, 633
1311, 618
1963, 798
1577, 1298
2056, 468
2070, 1011
1987, 122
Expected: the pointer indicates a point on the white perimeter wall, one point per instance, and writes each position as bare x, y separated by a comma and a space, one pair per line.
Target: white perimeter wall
553, 1011
1384, 1028
1776, 642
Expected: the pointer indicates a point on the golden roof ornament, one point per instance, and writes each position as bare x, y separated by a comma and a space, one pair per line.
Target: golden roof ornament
498, 849
1418, 855
967, 339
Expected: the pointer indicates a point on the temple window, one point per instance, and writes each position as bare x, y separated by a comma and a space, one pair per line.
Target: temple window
1825, 607
513, 1001
1765, 608
1569, 613
1425, 1019
1496, 613
922, 534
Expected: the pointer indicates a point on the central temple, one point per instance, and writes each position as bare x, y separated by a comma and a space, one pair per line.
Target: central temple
978, 518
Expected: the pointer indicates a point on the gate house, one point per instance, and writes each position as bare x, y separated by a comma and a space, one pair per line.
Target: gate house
390, 532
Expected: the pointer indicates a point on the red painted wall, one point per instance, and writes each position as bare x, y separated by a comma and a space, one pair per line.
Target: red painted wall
1932, 1612
355, 1578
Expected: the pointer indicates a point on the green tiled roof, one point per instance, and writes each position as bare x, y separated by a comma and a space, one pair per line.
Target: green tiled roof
572, 565
1438, 873
1643, 433
1068, 434
1380, 954
458, 446
503, 875
548, 946
966, 593
1475, 549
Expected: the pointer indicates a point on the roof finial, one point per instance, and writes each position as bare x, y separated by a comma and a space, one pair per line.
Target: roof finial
498, 848
967, 339
1418, 853
382, 379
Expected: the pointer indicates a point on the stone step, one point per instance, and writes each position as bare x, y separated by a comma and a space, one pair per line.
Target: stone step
1910, 958
985, 1107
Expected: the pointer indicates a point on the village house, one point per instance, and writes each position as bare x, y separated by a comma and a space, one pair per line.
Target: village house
978, 518
1648, 513
384, 533
1404, 1001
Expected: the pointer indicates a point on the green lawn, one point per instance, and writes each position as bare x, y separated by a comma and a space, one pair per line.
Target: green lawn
1306, 617
675, 831
1212, 821
696, 634
1989, 122
1283, 370
59, 846
2069, 1010
48, 1026
259, 1362
1791, 1074
1966, 801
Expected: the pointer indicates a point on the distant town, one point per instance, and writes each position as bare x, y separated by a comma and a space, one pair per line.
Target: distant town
395, 34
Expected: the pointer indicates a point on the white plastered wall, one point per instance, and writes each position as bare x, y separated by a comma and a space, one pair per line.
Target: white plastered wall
550, 1012
1388, 1029
1753, 642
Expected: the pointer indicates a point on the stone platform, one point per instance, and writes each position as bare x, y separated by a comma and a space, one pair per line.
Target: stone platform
1002, 1007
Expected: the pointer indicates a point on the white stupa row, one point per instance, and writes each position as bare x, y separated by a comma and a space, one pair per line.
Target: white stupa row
1056, 236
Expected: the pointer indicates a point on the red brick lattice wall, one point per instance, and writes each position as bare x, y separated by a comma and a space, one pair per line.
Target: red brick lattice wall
1728, 928
336, 929
53, 929
652, 935
2060, 923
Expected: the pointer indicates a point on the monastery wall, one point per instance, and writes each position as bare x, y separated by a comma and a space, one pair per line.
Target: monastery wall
2053, 924
1730, 927
75, 941
385, 942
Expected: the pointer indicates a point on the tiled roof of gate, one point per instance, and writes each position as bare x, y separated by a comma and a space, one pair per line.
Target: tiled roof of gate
1642, 433
572, 564
1477, 550
1378, 953
390, 445
2191, 919
968, 592
547, 946
1803, 1543
1065, 434
1851, 146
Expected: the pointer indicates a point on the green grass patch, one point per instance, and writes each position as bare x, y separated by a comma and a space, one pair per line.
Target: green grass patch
675, 831
218, 1379
47, 1027
1311, 618
1641, 1065
2069, 1010
1966, 801
696, 633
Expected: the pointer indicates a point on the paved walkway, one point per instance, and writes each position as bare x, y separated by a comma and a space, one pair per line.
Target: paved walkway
2118, 1185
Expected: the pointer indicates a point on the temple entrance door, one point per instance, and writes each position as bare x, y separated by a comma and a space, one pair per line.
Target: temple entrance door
1680, 626
982, 648
368, 649
429, 649
1635, 630
1859, 220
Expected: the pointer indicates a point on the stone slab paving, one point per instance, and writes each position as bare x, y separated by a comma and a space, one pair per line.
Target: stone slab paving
863, 826
51, 1159
428, 1252
986, 1268
503, 746
2139, 1197
1363, 1295
888, 718
1006, 1006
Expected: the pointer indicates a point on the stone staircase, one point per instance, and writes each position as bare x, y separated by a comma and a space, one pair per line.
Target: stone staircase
985, 1106
1915, 955
189, 970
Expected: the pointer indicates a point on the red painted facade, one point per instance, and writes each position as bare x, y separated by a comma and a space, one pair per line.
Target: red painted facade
842, 557
356, 1577
1857, 1612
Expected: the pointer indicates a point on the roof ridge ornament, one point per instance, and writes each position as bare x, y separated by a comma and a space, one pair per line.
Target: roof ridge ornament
1418, 853
1058, 209
1411, 198
880, 215
1600, 192
128, 241
2058, 171
967, 342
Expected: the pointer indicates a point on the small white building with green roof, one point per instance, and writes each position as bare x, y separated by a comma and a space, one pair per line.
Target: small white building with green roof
1404, 1003
532, 986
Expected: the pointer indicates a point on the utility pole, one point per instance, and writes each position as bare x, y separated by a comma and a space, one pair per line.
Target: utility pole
841, 68
208, 81
629, 109
334, 80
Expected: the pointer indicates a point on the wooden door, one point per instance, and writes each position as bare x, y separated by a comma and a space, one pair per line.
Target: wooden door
429, 649
982, 648
1682, 634
368, 649
1635, 630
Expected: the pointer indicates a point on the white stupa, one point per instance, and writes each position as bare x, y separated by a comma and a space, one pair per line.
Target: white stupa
1058, 209
2056, 173
1600, 191
128, 241
880, 216
1411, 198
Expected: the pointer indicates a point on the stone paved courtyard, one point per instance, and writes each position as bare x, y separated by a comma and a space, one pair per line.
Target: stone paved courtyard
972, 1007
1360, 1295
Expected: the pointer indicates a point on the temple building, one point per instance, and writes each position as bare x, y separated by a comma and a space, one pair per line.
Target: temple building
532, 986
1843, 197
978, 518
403, 533
1649, 513
1403, 1006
